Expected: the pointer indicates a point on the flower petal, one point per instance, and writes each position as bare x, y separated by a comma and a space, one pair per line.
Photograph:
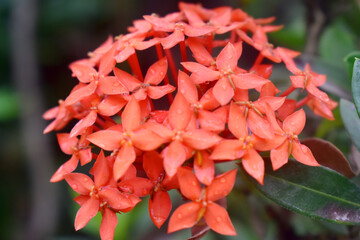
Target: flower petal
221, 185
79, 182
153, 165
108, 223
218, 219
108, 140
227, 58
80, 93
254, 165
131, 116
204, 167
174, 156
86, 212
126, 79
68, 167
184, 216
159, 207
124, 159
295, 123
114, 198
187, 87
156, 92
111, 85
84, 123
303, 154
237, 123
124, 54
137, 186
179, 112
156, 72
189, 185
228, 150
111, 105
280, 155
259, 125
173, 39
66, 142
205, 74
223, 91
82, 72
200, 139
200, 53
248, 80
101, 170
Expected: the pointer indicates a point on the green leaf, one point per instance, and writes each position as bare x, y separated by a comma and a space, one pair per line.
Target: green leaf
349, 61
351, 121
355, 85
317, 192
336, 42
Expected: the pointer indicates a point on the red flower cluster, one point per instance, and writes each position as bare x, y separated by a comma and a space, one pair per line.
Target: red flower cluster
141, 146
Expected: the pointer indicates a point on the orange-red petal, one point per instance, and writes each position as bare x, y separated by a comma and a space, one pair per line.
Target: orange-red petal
79, 182
64, 169
124, 159
204, 167
218, 219
200, 139
108, 140
179, 112
159, 207
184, 216
280, 155
254, 165
189, 185
156, 72
108, 223
86, 212
227, 58
131, 116
303, 154
221, 185
295, 123
174, 156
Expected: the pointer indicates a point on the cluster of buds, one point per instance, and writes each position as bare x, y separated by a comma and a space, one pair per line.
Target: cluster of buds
150, 132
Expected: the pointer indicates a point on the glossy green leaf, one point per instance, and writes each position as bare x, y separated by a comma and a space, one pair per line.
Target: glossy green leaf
351, 121
317, 192
355, 84
349, 61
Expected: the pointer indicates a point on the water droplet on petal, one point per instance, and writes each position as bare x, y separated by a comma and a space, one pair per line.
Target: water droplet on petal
85, 179
179, 111
74, 186
182, 91
193, 183
179, 215
222, 180
116, 84
223, 86
218, 219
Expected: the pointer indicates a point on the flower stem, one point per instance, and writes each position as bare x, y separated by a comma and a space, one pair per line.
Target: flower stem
302, 102
133, 61
172, 65
166, 78
183, 54
287, 91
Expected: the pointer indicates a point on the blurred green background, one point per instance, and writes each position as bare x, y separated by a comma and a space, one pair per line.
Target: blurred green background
39, 38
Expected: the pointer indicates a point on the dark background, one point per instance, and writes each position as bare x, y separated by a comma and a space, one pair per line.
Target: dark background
39, 38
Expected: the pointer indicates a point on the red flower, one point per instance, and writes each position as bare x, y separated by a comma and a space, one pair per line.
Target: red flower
203, 203
97, 195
